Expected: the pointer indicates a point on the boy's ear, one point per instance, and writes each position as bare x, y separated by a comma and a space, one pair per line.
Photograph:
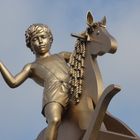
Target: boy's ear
32, 49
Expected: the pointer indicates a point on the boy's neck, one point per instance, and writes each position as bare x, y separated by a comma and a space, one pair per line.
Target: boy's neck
38, 57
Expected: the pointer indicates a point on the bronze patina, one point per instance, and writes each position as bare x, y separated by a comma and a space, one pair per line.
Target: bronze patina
74, 99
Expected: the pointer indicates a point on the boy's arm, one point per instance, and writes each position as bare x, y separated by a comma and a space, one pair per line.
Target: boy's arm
66, 55
15, 81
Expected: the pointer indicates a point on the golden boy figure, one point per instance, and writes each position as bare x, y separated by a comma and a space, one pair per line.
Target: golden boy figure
49, 71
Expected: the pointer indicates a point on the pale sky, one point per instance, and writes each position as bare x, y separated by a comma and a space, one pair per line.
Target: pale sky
20, 117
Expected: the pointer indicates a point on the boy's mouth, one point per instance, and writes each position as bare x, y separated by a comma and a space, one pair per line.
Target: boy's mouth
42, 46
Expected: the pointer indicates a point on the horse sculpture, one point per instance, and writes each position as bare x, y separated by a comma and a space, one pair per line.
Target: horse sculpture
86, 117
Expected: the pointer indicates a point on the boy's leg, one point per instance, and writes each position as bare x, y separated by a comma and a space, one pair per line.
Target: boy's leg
53, 112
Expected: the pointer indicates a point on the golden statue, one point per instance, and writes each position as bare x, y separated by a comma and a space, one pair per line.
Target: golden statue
74, 100
49, 71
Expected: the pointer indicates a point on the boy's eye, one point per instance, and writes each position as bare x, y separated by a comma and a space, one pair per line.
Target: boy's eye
34, 39
43, 36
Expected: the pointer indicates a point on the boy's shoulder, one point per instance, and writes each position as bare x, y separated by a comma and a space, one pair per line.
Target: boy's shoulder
64, 53
28, 66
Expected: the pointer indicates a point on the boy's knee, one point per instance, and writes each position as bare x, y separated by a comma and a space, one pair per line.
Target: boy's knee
56, 120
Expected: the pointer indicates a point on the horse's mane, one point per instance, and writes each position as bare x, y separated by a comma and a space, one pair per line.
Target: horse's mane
77, 67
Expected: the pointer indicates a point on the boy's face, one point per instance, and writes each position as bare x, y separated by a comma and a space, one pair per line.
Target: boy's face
40, 43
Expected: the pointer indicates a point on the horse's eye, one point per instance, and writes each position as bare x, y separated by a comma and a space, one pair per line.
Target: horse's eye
98, 32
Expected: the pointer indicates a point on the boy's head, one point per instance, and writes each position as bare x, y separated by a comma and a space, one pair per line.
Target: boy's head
35, 29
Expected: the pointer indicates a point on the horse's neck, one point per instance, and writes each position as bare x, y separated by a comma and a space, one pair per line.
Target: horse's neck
93, 84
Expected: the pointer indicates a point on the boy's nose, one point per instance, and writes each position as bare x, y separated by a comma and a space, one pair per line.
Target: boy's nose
40, 40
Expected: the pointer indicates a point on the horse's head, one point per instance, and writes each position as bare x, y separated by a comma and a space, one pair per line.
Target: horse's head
97, 37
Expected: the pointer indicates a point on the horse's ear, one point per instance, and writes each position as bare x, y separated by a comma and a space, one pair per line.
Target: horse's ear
103, 21
89, 19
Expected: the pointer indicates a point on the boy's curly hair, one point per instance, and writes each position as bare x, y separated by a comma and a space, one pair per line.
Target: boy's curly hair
37, 28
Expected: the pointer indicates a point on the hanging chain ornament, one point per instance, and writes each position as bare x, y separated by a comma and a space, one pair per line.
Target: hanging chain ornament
77, 71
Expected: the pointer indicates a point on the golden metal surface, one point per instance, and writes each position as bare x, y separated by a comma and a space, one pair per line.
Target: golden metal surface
88, 119
99, 113
49, 71
74, 99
